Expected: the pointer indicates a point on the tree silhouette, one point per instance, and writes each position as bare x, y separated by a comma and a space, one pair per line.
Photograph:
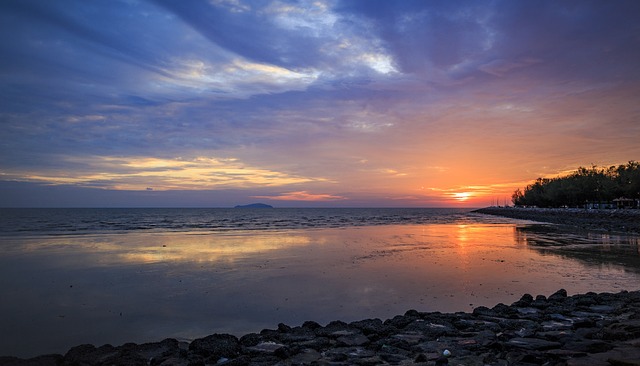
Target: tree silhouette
596, 185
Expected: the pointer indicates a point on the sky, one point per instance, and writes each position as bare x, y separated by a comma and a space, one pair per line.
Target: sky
359, 103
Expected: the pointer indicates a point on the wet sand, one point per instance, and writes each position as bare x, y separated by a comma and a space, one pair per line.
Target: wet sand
59, 292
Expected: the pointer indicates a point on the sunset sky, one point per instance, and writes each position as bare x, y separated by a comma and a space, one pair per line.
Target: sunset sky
310, 103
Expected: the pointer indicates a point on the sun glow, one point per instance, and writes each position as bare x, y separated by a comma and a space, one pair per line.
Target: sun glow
462, 196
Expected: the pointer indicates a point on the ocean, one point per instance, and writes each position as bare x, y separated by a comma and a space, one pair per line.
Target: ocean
74, 276
65, 221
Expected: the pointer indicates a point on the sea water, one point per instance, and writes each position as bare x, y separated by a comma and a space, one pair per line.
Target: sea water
74, 276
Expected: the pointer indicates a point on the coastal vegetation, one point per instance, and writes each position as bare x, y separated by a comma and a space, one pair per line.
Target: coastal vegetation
615, 186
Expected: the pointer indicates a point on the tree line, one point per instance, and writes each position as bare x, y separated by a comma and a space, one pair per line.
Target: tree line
585, 185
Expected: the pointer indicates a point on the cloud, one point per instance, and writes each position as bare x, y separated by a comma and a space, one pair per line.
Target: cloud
237, 78
502, 67
363, 97
303, 196
143, 173
296, 36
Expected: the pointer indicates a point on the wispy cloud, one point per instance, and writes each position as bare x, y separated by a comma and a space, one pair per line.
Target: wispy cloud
141, 173
303, 196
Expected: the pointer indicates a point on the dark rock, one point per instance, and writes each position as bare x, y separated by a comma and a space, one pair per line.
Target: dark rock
629, 329
587, 346
88, 354
317, 343
441, 361
602, 309
589, 329
283, 328
393, 358
421, 358
306, 357
334, 329
216, 346
249, 340
533, 343
485, 311
400, 321
558, 295
371, 326
352, 340
267, 347
540, 302
283, 352
311, 325
524, 301
44, 360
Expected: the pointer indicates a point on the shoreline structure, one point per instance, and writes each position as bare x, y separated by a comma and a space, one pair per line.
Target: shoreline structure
609, 220
585, 329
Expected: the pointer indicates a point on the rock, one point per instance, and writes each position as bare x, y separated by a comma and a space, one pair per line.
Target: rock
587, 346
624, 330
484, 311
305, 357
533, 343
266, 347
558, 295
371, 326
524, 301
44, 360
216, 346
353, 340
619, 356
311, 325
88, 354
589, 329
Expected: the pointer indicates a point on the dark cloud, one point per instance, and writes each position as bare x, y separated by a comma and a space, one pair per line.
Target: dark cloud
96, 26
580, 39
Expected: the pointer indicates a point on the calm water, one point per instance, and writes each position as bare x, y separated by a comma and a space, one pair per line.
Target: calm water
58, 221
113, 276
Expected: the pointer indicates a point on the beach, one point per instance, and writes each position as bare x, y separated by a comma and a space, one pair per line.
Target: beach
123, 291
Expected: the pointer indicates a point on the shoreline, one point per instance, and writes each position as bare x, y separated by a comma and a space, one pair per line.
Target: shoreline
593, 329
608, 220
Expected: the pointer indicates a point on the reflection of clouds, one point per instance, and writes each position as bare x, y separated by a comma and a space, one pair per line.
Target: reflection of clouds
169, 248
549, 235
590, 247
284, 276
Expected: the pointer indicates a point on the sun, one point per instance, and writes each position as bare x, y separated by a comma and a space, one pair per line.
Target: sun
461, 196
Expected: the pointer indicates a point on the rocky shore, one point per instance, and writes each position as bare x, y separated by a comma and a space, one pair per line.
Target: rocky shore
585, 329
624, 221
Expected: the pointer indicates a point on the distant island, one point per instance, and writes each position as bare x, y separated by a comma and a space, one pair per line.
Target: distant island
255, 205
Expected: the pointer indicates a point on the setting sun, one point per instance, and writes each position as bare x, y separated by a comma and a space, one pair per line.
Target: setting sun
462, 196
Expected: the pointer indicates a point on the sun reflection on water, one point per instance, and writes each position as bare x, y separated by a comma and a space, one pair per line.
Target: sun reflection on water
202, 283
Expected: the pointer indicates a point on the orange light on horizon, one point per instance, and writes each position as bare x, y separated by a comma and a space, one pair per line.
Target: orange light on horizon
462, 196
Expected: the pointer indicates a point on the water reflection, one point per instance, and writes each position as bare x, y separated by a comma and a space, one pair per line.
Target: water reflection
63, 291
592, 248
137, 248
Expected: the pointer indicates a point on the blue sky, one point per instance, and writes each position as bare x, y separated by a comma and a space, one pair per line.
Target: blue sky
310, 103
